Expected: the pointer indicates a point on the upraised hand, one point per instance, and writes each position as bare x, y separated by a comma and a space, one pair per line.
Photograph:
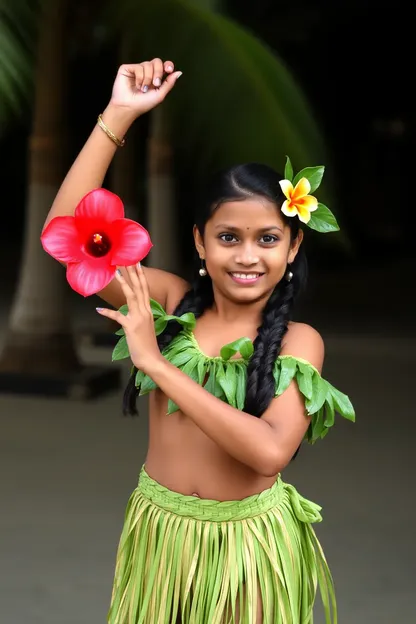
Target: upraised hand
142, 86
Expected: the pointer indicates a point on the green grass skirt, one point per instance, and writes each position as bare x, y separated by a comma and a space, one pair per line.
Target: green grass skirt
190, 560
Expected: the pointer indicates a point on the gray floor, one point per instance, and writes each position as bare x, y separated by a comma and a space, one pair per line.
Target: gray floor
68, 468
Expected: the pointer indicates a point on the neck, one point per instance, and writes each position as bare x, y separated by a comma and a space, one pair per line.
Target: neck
231, 311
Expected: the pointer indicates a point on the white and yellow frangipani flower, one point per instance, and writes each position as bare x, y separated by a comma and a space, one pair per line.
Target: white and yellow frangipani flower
298, 201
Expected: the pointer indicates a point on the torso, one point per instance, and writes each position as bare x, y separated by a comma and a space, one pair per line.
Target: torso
182, 458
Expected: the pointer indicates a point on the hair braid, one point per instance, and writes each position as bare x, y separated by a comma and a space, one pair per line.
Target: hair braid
196, 300
267, 346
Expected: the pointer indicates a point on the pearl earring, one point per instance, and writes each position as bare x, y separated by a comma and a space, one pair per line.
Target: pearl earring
202, 270
289, 276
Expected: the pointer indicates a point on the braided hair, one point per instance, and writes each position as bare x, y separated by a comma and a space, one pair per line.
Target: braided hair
234, 184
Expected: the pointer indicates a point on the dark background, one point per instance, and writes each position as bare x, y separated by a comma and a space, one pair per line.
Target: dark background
68, 466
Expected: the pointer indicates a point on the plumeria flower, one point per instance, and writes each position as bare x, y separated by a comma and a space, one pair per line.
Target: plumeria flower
298, 201
95, 241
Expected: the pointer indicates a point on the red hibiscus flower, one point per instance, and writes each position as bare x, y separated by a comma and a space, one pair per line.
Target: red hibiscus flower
95, 241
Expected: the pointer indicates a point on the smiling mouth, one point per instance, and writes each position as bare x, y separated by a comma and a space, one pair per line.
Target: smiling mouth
245, 278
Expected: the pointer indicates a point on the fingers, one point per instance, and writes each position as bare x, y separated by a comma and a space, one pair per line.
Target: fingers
150, 74
128, 290
144, 285
158, 71
140, 287
114, 315
147, 76
169, 83
169, 67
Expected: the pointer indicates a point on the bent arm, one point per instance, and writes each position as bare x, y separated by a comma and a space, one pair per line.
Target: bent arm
264, 444
87, 173
90, 167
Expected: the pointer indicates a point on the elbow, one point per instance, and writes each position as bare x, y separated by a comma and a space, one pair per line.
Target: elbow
271, 463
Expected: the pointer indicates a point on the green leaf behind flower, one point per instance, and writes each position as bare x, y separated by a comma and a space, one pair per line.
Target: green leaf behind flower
322, 220
288, 170
314, 176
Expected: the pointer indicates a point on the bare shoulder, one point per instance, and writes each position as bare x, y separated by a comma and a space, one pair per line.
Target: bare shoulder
303, 341
164, 287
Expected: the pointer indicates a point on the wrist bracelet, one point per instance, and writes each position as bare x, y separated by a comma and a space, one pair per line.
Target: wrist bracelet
111, 135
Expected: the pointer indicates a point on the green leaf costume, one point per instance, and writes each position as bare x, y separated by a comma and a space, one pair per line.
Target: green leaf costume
192, 560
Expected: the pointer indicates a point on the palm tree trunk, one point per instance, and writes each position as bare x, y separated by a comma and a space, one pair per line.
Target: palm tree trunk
39, 334
161, 196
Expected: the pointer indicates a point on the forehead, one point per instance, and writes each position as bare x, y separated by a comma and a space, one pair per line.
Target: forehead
253, 213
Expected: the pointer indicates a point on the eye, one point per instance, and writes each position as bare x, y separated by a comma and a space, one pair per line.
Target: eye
269, 239
227, 238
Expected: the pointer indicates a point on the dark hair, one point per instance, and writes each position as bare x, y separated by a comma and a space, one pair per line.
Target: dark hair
239, 183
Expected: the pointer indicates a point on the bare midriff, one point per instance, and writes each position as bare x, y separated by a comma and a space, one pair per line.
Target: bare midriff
184, 459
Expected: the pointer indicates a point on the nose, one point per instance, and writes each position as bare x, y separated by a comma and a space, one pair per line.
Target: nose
247, 256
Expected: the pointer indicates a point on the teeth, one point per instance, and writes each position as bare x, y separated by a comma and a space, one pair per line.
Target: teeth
247, 276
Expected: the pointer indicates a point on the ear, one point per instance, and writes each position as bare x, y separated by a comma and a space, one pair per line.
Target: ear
199, 242
294, 247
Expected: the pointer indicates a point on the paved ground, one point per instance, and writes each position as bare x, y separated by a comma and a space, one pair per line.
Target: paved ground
68, 468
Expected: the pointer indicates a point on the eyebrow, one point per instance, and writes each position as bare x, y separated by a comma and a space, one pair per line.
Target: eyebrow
268, 228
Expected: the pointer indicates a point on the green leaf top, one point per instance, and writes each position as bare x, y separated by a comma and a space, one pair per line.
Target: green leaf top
314, 176
288, 170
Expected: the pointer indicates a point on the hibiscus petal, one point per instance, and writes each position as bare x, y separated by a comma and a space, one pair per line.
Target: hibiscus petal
304, 214
302, 188
60, 239
287, 188
100, 205
288, 209
132, 242
88, 278
309, 202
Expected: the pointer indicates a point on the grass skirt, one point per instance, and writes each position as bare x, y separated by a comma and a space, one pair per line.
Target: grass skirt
194, 561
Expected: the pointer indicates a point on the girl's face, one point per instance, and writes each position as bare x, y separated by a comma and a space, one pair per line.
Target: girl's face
246, 248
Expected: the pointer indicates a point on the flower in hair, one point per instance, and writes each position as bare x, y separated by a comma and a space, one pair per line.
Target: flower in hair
299, 201
94, 241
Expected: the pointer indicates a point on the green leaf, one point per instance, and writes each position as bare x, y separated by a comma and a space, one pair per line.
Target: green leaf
288, 170
329, 411
241, 373
244, 346
228, 381
319, 394
124, 309
119, 332
284, 371
322, 220
304, 379
147, 385
139, 378
187, 320
156, 308
314, 176
343, 404
318, 425
172, 407
180, 358
121, 350
160, 325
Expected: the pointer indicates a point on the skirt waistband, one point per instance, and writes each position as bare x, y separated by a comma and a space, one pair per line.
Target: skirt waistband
206, 509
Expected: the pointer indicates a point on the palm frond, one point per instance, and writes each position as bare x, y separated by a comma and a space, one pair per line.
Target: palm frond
236, 101
18, 25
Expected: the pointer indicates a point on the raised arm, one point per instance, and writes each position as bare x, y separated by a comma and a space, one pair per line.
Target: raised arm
137, 89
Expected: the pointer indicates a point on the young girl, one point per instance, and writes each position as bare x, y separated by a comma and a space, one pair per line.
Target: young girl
212, 534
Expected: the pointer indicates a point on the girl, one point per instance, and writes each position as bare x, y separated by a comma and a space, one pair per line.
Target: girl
212, 534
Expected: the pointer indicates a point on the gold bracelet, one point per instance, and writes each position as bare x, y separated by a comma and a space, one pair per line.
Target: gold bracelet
111, 135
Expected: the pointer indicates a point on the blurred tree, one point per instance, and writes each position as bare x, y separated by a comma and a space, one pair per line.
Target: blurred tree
236, 102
